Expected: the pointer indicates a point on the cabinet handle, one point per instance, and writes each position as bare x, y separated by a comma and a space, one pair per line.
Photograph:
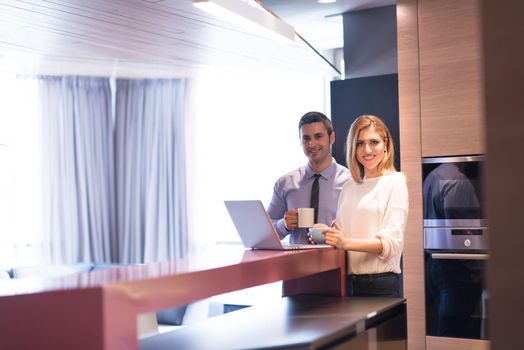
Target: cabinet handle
461, 256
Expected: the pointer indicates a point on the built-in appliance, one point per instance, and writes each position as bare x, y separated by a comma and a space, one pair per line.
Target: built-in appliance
455, 246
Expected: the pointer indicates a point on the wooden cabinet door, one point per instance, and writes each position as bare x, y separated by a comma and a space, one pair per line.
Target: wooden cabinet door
452, 114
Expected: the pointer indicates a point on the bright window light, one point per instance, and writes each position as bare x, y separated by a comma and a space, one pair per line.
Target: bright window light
244, 136
20, 162
256, 20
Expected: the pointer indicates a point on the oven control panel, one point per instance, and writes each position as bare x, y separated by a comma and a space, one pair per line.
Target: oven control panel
467, 232
456, 238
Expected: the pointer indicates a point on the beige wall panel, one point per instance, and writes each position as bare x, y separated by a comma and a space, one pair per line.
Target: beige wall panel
451, 77
409, 106
439, 343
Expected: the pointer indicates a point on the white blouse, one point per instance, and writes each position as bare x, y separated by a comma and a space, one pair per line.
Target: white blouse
377, 207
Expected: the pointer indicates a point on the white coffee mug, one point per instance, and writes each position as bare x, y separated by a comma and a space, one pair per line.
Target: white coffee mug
306, 217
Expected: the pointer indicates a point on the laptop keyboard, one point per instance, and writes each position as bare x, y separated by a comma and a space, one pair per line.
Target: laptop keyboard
293, 246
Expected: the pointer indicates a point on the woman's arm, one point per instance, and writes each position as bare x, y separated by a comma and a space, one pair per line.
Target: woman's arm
335, 238
395, 218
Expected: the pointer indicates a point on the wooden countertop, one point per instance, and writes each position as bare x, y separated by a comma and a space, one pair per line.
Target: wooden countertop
299, 322
98, 310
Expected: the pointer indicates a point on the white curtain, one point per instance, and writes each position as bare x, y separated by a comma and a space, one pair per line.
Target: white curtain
151, 170
78, 169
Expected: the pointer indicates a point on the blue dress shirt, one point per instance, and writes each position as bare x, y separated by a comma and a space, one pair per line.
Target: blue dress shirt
293, 190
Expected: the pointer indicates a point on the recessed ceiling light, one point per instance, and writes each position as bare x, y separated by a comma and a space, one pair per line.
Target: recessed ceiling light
326, 1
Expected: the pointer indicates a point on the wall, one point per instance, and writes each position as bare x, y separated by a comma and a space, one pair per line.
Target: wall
503, 29
370, 42
370, 95
371, 86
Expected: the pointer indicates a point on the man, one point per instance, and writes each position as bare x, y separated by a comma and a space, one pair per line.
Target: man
293, 190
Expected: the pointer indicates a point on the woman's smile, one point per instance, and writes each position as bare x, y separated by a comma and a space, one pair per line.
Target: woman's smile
370, 151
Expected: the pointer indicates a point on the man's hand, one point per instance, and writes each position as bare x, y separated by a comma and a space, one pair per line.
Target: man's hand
291, 219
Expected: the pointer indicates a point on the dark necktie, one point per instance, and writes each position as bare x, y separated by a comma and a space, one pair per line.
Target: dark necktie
314, 196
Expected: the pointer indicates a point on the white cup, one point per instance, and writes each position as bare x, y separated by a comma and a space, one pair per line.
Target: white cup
306, 217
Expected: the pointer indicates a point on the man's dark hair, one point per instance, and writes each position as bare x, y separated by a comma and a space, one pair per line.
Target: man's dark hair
314, 117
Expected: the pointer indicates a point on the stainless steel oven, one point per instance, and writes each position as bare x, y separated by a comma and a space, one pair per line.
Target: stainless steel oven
455, 247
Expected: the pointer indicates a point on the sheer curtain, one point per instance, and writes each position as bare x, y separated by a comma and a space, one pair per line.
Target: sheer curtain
151, 168
78, 172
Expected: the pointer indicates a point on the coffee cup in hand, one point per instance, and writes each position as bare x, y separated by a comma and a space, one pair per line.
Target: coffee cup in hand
306, 217
317, 235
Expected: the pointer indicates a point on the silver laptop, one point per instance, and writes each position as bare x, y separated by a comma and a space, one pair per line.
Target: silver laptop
255, 228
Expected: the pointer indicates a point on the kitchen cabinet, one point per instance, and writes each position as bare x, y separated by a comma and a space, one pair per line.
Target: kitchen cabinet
452, 117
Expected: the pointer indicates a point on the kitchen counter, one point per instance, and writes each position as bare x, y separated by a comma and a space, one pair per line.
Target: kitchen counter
299, 322
98, 310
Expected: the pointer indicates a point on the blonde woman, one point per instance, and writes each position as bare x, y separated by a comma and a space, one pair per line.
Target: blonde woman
372, 211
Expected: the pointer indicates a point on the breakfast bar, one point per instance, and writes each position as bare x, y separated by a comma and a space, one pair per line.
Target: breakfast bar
98, 310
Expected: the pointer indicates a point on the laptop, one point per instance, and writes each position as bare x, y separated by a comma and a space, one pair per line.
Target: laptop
255, 228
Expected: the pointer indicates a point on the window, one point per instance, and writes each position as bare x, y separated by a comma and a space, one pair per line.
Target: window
244, 136
241, 136
20, 196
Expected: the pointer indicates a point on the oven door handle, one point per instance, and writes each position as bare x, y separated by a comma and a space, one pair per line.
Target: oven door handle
461, 256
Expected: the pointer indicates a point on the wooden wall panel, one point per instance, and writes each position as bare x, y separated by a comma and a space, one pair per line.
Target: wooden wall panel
451, 77
439, 343
410, 144
504, 73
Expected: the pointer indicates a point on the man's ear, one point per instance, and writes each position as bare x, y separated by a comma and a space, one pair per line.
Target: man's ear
332, 138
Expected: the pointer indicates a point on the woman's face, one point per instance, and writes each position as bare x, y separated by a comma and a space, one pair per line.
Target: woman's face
370, 151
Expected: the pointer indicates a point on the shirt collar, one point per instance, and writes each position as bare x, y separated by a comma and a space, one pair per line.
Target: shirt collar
328, 173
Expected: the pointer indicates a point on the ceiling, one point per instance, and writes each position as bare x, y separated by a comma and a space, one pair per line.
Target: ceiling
320, 24
159, 38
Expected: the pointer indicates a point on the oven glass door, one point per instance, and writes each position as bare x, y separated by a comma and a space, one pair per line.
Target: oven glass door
452, 191
456, 294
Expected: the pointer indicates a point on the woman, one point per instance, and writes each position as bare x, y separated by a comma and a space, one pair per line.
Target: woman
372, 211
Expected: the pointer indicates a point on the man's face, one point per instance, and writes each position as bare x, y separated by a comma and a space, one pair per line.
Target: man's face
316, 142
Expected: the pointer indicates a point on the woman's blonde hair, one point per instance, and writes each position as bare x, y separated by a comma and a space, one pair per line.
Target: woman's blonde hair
363, 122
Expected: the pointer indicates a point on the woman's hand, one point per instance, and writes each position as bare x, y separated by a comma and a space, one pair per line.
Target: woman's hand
323, 227
335, 237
